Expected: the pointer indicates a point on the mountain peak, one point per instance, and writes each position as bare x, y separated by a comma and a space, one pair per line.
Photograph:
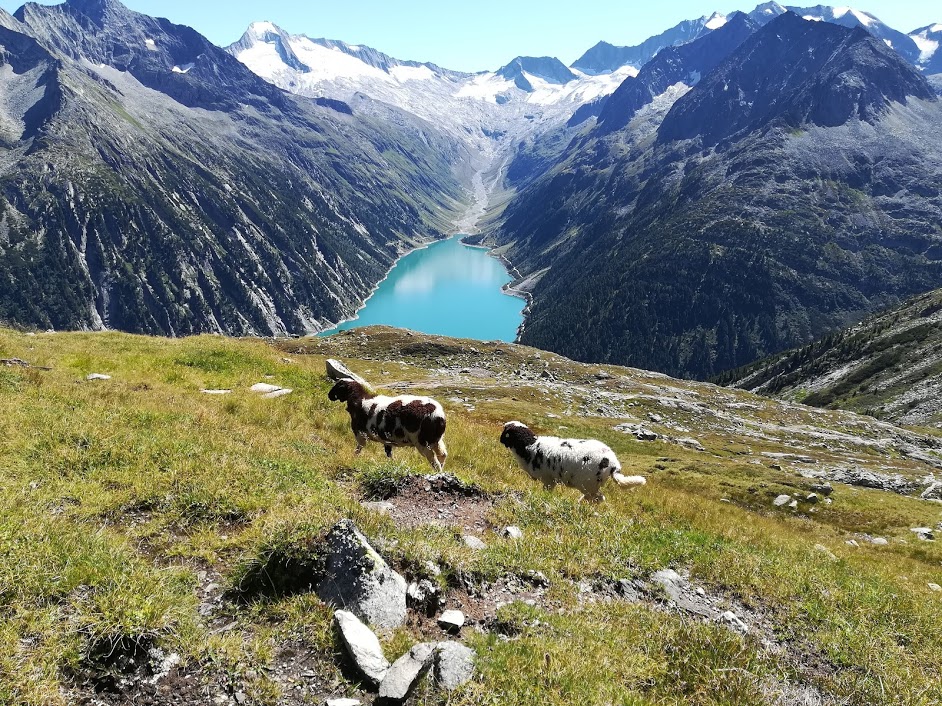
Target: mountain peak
548, 68
795, 72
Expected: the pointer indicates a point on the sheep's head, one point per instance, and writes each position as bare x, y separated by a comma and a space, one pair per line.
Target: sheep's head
517, 436
344, 390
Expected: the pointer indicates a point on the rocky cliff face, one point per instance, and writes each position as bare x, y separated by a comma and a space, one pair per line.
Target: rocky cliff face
150, 182
721, 223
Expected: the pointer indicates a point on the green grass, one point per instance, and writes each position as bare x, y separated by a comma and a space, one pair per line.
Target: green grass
117, 493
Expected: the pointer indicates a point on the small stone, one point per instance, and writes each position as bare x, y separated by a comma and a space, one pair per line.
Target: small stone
277, 393
512, 532
264, 387
362, 645
433, 568
454, 665
241, 697
935, 587
827, 552
473, 542
812, 498
823, 488
383, 507
451, 620
342, 702
782, 500
98, 376
405, 673
793, 504
852, 543
879, 541
731, 618
690, 443
924, 533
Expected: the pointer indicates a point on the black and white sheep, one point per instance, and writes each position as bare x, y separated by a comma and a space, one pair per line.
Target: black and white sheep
583, 464
394, 421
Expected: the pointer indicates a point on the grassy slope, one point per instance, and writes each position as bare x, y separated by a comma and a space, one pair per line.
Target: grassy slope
117, 493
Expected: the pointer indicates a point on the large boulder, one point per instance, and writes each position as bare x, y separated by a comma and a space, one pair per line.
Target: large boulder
358, 579
362, 645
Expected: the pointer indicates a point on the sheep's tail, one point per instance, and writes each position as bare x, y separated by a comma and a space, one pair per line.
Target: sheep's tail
628, 481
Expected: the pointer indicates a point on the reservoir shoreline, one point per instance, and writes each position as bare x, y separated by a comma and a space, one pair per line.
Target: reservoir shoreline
444, 287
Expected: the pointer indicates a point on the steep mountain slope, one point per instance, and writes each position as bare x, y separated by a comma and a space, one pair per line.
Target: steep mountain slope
889, 365
739, 226
150, 182
684, 64
928, 40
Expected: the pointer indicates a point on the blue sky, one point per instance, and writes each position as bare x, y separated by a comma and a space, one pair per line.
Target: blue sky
474, 36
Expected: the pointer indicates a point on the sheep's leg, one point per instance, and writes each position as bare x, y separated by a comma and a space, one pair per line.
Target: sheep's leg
429, 454
361, 442
594, 499
388, 449
441, 453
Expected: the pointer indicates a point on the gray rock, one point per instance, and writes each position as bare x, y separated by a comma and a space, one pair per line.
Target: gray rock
274, 394
359, 580
512, 532
793, 504
868, 479
924, 533
690, 443
879, 541
454, 665
935, 587
451, 620
782, 500
733, 620
824, 488
382, 506
264, 388
362, 645
97, 376
406, 672
827, 552
640, 432
852, 543
473, 542
338, 371
342, 702
812, 498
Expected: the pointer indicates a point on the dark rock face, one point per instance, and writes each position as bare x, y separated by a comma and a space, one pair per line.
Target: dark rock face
154, 184
796, 188
683, 64
793, 73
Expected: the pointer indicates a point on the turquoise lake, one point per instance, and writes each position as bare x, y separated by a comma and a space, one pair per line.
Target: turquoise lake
449, 289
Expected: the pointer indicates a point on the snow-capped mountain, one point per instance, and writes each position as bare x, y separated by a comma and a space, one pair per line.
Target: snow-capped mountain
520, 98
607, 57
928, 40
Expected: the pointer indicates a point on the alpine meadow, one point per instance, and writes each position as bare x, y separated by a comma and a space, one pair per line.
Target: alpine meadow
698, 459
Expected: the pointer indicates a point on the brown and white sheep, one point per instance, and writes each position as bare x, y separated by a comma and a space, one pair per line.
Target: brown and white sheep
394, 421
583, 464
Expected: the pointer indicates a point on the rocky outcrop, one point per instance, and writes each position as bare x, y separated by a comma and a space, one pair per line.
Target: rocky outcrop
358, 579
